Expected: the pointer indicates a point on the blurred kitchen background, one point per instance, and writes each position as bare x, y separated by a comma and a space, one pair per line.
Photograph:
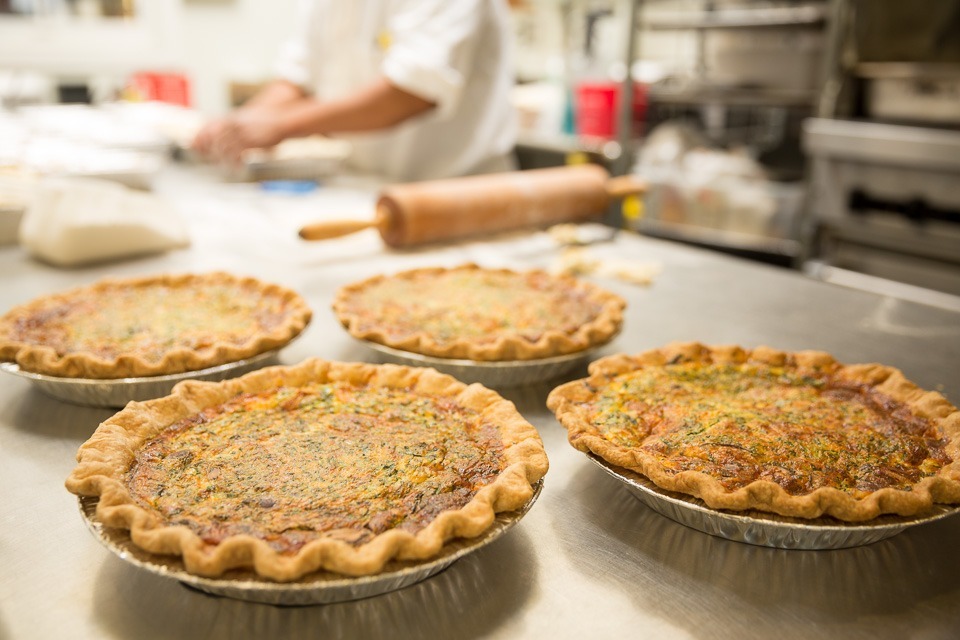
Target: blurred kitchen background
822, 136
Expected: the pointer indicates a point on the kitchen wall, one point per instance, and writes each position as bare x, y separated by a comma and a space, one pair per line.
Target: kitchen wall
231, 41
213, 42
218, 41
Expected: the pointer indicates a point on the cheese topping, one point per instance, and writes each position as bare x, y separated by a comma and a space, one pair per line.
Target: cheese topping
747, 422
323, 460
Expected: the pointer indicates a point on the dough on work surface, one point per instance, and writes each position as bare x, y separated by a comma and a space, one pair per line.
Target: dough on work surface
79, 221
16, 192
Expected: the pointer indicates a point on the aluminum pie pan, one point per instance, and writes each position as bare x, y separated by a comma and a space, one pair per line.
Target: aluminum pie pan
116, 393
317, 588
493, 373
768, 529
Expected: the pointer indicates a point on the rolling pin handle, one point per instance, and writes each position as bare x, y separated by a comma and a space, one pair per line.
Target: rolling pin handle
338, 228
623, 186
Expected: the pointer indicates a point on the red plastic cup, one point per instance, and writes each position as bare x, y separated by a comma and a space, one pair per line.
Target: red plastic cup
597, 104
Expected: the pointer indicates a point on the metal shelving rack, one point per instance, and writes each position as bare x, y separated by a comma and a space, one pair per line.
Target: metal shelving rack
616, 153
740, 18
619, 153
701, 93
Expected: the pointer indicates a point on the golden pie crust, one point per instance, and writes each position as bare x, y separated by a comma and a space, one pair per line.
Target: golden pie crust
319, 466
149, 326
475, 313
797, 434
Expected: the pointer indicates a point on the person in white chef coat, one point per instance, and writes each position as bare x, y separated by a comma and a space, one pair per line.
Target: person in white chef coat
419, 87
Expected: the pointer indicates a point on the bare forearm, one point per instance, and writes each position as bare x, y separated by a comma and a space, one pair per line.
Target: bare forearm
277, 93
377, 106
282, 111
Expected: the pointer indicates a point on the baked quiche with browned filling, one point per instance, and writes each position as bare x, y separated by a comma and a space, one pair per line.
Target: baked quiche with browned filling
478, 313
797, 434
149, 326
320, 466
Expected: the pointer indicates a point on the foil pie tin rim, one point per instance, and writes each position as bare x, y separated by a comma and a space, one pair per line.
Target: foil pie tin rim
318, 588
491, 373
767, 529
477, 364
116, 392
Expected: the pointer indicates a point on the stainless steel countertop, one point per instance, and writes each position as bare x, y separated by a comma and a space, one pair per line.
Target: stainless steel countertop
588, 561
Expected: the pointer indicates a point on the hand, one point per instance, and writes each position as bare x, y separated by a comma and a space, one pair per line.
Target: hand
226, 139
204, 140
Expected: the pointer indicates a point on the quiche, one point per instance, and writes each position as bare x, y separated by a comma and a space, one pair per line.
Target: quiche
482, 314
797, 434
319, 466
166, 324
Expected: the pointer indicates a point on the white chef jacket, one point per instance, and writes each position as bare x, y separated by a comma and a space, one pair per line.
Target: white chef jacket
455, 53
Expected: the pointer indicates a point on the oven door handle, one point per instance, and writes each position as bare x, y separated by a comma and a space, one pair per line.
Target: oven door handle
916, 210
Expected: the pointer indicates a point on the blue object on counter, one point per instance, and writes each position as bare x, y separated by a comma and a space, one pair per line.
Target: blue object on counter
289, 186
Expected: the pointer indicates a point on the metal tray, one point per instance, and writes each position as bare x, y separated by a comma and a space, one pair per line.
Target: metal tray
767, 529
495, 374
316, 588
118, 392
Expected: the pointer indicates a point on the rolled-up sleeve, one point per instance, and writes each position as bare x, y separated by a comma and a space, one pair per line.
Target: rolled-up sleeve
432, 46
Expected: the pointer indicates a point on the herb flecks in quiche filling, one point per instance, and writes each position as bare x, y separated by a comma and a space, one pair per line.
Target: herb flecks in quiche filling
320, 466
793, 433
151, 326
326, 459
742, 423
150, 320
481, 314
487, 305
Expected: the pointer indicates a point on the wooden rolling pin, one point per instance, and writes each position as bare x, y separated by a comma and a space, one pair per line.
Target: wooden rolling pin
433, 211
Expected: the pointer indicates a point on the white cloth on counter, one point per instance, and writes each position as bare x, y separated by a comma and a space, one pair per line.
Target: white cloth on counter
455, 54
72, 222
